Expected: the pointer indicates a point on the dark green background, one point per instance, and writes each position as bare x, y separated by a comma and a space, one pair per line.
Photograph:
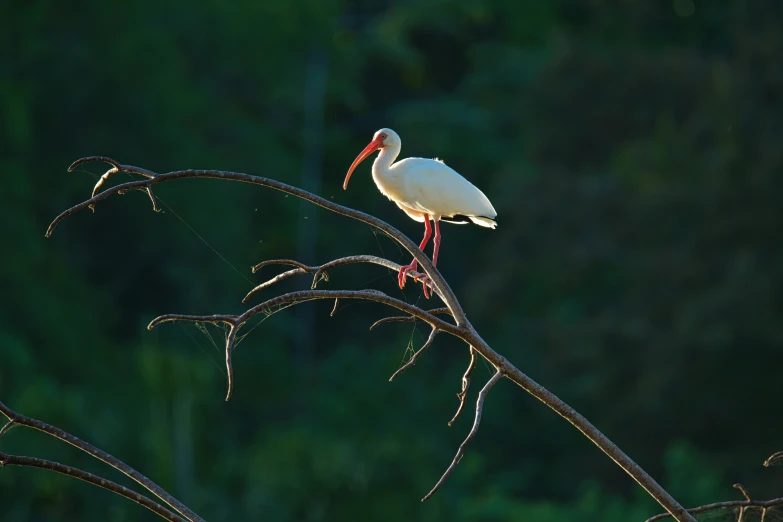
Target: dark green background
632, 150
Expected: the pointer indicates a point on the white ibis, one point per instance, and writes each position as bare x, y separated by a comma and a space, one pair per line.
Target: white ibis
424, 189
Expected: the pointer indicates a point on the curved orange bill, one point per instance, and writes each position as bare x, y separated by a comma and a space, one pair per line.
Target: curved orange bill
374, 145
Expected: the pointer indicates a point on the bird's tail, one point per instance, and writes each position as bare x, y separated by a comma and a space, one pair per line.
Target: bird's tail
484, 221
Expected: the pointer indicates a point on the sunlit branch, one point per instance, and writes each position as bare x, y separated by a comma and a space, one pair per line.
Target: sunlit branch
461, 451
462, 329
416, 355
465, 384
153, 178
320, 272
774, 459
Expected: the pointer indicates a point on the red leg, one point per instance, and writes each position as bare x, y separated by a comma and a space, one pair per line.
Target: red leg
424, 278
436, 242
403, 274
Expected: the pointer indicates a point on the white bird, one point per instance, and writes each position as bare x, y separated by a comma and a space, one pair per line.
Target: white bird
424, 189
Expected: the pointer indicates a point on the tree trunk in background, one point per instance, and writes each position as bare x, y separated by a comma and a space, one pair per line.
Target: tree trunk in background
307, 237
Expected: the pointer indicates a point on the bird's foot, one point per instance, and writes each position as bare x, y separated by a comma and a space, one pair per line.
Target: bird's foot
403, 274
426, 283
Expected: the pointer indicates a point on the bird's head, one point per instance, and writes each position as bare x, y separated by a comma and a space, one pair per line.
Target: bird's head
382, 139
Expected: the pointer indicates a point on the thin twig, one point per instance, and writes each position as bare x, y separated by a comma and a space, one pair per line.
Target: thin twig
393, 319
320, 272
773, 459
461, 451
416, 355
10, 424
104, 457
13, 460
763, 504
742, 490
334, 308
465, 384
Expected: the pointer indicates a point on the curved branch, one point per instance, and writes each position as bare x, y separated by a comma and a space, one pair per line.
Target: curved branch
463, 329
416, 355
104, 457
30, 462
321, 271
465, 384
393, 319
152, 179
773, 459
461, 451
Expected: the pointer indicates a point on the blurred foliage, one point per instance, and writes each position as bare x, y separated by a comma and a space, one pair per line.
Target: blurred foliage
632, 150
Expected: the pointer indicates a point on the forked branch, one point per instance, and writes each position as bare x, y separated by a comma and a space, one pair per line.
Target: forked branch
477, 420
30, 462
274, 305
21, 420
461, 329
743, 505
320, 272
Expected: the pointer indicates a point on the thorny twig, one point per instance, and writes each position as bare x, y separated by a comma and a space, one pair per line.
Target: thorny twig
461, 329
101, 455
30, 462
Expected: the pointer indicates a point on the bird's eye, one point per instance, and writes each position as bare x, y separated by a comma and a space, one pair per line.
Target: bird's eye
383, 136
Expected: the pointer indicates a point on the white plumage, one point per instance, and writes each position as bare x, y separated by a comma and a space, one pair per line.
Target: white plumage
424, 189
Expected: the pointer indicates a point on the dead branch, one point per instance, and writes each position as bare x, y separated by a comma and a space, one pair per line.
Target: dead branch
748, 503
774, 459
415, 357
462, 329
30, 462
104, 457
742, 504
461, 450
275, 304
465, 384
321, 272
153, 178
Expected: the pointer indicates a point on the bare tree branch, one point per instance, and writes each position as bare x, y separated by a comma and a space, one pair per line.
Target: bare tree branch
415, 357
393, 319
763, 504
152, 178
320, 272
104, 457
273, 305
461, 451
748, 503
462, 329
465, 384
13, 460
10, 424
742, 490
774, 459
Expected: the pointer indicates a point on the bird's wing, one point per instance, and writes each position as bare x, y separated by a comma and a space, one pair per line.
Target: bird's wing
437, 189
